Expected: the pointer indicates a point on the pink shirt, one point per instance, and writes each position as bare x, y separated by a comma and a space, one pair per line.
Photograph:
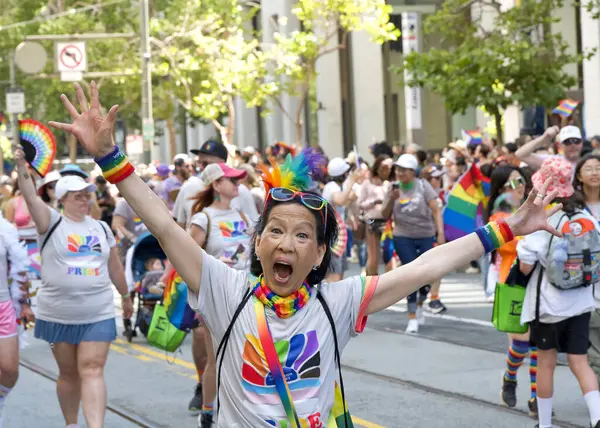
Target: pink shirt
369, 193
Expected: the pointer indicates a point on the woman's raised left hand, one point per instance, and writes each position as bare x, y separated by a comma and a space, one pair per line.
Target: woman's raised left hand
533, 214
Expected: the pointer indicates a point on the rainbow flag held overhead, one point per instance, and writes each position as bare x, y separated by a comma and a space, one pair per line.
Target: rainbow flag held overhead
565, 108
466, 201
472, 137
387, 242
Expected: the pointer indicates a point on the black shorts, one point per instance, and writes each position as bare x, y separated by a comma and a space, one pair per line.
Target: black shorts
571, 336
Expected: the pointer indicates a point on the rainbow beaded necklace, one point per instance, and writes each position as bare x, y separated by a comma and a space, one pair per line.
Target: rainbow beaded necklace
284, 307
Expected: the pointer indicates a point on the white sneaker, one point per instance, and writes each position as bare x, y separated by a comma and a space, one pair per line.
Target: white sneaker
420, 316
412, 327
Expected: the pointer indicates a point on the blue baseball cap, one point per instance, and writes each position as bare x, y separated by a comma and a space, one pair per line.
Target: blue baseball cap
73, 169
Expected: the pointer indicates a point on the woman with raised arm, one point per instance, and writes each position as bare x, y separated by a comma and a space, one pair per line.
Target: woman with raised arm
281, 329
75, 309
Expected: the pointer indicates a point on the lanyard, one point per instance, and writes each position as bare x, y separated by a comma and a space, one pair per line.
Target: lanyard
272, 358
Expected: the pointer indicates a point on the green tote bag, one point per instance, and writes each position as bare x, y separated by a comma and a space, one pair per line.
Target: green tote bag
162, 334
508, 305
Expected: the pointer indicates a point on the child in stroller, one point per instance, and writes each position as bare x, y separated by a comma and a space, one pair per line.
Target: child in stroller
148, 269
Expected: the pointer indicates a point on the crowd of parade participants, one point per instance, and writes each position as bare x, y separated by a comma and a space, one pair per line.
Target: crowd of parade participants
263, 242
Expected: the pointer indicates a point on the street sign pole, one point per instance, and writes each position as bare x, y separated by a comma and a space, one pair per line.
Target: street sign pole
147, 119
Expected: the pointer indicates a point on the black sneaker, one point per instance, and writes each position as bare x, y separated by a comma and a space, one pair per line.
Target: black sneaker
509, 392
533, 410
436, 306
205, 420
128, 330
195, 405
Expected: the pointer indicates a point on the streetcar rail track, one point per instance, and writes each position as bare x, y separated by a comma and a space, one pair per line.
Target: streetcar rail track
452, 394
123, 413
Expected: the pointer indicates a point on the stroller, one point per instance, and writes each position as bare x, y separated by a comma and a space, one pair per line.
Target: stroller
145, 248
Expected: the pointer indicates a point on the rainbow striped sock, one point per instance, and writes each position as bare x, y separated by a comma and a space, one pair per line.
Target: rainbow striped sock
514, 359
533, 371
207, 409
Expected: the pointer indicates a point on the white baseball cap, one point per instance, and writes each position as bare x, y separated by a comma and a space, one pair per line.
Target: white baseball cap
337, 167
408, 161
72, 183
49, 178
569, 132
214, 171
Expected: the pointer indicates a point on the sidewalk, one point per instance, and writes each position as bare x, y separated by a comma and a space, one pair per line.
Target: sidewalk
457, 370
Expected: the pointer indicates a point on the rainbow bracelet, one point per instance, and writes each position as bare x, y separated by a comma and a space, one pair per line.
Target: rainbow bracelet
115, 166
494, 235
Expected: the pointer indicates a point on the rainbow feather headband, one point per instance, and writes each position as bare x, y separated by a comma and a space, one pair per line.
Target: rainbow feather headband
296, 173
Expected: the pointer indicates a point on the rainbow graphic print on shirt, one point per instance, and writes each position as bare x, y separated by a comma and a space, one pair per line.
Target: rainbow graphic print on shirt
83, 246
234, 237
300, 359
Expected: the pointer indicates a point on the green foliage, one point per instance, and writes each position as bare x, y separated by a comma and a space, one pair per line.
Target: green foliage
519, 60
325, 26
42, 95
208, 55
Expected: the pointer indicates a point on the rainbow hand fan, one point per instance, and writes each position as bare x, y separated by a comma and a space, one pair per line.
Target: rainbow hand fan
39, 145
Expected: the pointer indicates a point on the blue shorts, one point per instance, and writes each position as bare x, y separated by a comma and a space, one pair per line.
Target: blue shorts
53, 332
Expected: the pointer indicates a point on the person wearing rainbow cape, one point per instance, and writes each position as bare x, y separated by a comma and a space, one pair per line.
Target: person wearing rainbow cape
279, 332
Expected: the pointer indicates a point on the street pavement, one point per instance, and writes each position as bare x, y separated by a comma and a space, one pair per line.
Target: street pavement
449, 375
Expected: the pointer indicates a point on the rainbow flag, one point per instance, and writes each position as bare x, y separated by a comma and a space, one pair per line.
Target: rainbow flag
3, 119
466, 201
565, 108
176, 304
472, 137
387, 242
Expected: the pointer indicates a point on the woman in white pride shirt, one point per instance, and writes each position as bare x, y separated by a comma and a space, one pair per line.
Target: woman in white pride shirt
14, 305
291, 251
564, 315
224, 233
75, 310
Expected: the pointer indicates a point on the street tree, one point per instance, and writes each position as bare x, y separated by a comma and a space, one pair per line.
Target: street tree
42, 91
325, 26
208, 55
517, 59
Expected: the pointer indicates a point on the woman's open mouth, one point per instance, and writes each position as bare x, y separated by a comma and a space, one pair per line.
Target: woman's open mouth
282, 272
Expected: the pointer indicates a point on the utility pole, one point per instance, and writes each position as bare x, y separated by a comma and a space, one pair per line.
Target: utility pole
147, 119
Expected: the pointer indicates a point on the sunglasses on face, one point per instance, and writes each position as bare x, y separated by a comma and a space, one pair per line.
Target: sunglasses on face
234, 181
309, 200
51, 186
515, 183
572, 141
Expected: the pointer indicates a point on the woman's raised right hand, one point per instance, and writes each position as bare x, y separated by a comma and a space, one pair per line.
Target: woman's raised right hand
94, 132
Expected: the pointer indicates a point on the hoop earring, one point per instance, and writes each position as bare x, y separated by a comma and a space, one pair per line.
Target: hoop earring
316, 267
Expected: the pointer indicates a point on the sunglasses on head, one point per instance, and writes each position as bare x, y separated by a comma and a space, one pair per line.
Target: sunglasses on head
515, 183
572, 141
309, 200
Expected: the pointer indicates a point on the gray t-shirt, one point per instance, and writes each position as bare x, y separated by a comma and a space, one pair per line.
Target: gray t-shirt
76, 287
133, 222
412, 215
228, 236
304, 343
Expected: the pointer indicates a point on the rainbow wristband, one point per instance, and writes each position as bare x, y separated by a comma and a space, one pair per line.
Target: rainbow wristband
115, 166
494, 235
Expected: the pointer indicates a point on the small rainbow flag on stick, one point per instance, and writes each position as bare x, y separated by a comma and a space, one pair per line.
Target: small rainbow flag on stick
565, 108
466, 201
3, 119
472, 137
387, 242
